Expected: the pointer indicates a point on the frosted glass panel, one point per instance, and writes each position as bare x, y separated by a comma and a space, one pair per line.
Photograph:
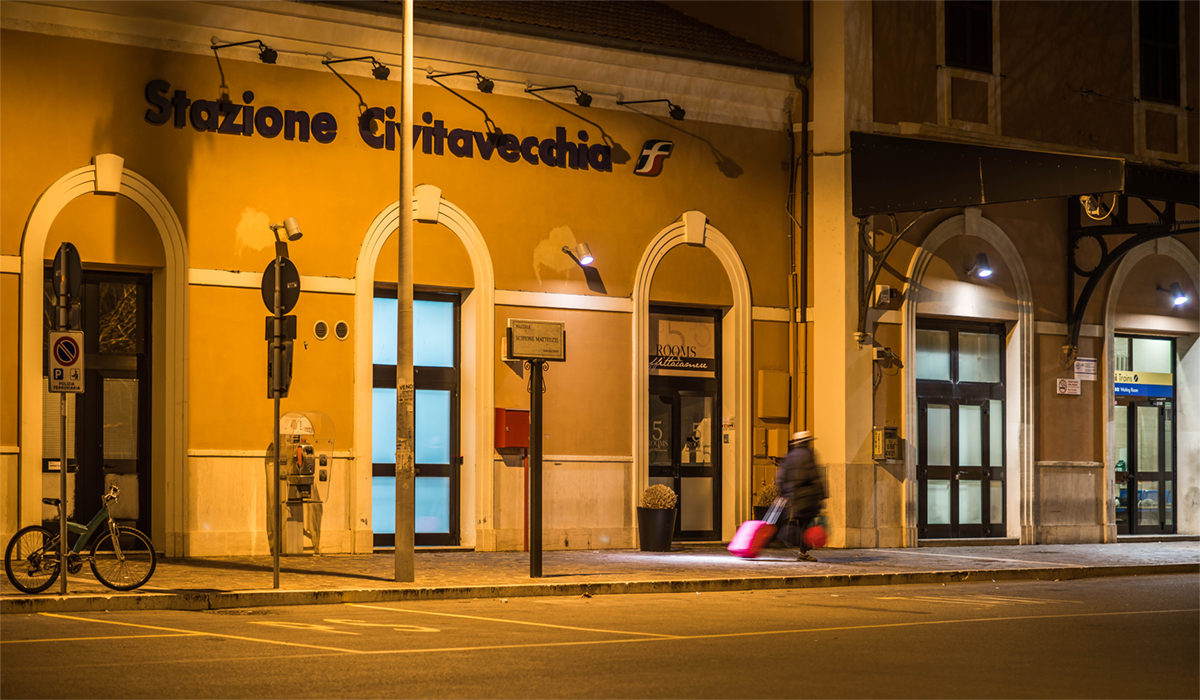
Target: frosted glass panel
694, 414
970, 436
1121, 355
970, 502
996, 433
432, 426
996, 504
667, 481
120, 418
938, 435
52, 420
1150, 355
433, 333
1169, 512
660, 431
937, 498
978, 357
1147, 439
1169, 433
383, 505
696, 508
933, 355
432, 508
1121, 439
383, 332
383, 426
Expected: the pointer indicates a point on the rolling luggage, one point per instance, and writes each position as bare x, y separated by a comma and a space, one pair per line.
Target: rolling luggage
752, 535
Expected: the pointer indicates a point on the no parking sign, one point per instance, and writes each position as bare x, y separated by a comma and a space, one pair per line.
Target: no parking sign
66, 362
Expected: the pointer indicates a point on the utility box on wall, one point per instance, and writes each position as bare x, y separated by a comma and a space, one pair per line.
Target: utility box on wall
512, 428
886, 443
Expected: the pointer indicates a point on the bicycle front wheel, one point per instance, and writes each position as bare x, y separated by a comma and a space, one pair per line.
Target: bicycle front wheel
125, 564
31, 560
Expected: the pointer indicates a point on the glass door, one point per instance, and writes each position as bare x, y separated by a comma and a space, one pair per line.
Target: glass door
960, 430
437, 455
1145, 469
685, 457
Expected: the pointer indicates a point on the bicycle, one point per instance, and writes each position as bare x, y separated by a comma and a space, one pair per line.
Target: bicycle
122, 558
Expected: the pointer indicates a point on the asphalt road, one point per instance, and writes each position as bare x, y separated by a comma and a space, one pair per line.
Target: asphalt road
1111, 638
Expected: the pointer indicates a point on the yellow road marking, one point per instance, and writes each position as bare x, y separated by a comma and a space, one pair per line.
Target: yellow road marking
513, 622
207, 634
92, 639
1011, 561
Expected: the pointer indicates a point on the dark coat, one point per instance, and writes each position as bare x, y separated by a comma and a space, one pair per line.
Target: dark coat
800, 482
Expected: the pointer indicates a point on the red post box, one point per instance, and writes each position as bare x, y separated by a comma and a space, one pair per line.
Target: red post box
512, 428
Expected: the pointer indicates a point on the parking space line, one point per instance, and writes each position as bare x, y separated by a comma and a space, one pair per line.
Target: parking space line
1011, 561
207, 634
513, 622
93, 639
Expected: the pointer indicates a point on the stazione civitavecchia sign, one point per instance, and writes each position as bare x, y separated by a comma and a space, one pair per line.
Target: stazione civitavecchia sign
376, 127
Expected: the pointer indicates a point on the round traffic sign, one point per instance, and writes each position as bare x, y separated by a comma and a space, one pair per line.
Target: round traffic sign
289, 288
66, 260
66, 351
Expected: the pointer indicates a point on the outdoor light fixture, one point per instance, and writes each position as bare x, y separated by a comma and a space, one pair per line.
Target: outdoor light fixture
581, 98
266, 54
291, 228
380, 71
981, 268
583, 254
1178, 298
677, 113
485, 86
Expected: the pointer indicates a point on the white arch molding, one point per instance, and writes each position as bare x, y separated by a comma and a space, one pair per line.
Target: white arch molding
1018, 424
476, 516
169, 354
1187, 427
693, 229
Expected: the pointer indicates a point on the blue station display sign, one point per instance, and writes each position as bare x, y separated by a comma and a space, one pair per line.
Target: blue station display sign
1145, 384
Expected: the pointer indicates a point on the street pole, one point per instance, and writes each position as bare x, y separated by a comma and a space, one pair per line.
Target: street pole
64, 322
535, 468
405, 394
276, 391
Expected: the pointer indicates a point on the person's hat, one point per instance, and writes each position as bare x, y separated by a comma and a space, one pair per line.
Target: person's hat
802, 436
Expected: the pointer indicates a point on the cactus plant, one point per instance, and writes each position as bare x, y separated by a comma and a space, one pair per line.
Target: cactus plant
659, 496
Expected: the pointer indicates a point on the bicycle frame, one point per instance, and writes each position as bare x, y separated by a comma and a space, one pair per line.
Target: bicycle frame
86, 533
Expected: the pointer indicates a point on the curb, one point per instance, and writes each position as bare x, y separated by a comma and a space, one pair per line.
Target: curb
253, 599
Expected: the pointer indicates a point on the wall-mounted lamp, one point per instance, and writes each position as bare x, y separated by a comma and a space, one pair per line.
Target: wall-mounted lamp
981, 268
266, 54
582, 254
291, 228
673, 109
581, 98
485, 86
380, 71
1178, 298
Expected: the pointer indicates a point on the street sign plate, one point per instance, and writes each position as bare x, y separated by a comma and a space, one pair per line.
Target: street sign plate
289, 290
67, 260
536, 340
66, 362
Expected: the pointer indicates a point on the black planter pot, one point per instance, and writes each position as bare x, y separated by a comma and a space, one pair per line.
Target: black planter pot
656, 527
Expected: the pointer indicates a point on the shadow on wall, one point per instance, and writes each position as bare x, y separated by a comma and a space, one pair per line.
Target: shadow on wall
726, 165
619, 155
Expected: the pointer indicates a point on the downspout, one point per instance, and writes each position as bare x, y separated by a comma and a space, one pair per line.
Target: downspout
798, 282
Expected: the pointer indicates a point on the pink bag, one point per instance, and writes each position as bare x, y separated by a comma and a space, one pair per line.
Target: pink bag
753, 535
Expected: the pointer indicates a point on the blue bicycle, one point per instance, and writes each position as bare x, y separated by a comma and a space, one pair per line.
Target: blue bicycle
122, 558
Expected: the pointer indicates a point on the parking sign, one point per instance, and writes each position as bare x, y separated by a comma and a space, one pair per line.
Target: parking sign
66, 362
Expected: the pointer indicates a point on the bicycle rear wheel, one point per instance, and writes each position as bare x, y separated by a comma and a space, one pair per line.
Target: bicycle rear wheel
31, 561
128, 566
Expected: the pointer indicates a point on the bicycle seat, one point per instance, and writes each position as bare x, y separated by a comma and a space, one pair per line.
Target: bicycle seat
51, 501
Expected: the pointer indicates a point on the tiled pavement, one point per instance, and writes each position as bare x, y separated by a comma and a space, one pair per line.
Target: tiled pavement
248, 581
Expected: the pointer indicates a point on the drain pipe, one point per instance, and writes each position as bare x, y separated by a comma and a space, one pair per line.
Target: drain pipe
798, 280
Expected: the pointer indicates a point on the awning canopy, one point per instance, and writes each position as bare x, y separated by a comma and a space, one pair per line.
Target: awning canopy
893, 174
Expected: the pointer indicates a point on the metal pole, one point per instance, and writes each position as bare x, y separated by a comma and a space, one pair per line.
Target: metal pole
405, 477
64, 322
276, 390
535, 469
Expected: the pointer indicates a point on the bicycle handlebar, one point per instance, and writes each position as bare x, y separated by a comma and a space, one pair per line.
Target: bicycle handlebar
112, 494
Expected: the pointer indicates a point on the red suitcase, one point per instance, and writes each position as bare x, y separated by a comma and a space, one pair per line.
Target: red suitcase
753, 535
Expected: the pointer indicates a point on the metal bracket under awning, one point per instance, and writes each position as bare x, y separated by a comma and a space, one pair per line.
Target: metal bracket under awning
895, 174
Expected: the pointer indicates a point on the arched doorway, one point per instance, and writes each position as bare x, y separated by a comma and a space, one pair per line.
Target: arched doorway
475, 403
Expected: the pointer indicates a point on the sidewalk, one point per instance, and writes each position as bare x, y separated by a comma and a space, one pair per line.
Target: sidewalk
234, 582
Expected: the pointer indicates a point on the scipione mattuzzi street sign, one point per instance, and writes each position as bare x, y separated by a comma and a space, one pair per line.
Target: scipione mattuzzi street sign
536, 340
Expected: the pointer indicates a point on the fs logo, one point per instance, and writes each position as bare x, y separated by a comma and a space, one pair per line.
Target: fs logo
654, 153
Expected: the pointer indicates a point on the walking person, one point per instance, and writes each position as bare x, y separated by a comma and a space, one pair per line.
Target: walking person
800, 483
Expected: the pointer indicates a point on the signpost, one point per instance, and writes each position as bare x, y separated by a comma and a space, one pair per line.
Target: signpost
536, 343
65, 348
280, 291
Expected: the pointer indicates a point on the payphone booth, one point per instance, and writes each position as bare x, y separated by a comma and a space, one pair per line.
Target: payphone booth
306, 470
